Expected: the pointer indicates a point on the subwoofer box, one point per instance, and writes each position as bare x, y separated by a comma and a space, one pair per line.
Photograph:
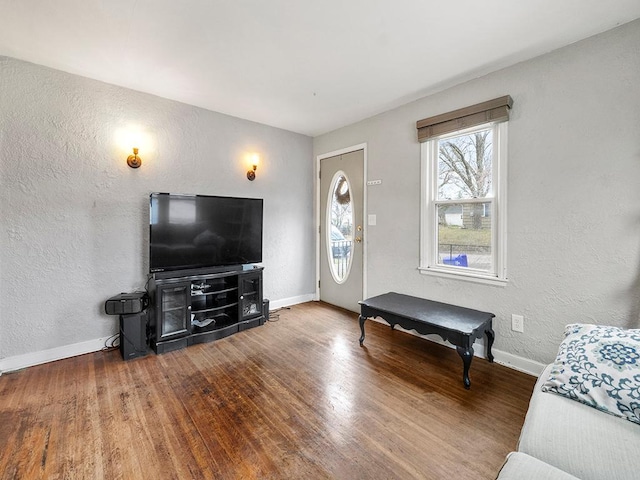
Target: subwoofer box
133, 336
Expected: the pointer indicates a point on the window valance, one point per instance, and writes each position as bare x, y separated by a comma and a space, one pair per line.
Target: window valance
496, 110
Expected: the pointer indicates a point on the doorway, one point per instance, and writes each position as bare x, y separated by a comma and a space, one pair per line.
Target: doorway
342, 228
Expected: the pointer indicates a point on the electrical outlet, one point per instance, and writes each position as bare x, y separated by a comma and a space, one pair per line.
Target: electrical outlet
517, 323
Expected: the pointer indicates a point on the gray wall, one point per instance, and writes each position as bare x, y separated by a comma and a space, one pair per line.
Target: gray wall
573, 193
74, 217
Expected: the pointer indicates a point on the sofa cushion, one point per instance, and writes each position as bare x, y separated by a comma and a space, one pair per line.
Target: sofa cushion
600, 367
578, 439
520, 466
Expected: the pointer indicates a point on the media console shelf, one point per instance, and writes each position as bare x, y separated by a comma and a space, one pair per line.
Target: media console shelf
189, 308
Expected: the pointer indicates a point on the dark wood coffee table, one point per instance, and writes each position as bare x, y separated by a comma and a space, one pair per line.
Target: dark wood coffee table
457, 325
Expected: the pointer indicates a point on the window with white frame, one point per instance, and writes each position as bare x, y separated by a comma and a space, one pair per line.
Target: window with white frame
463, 214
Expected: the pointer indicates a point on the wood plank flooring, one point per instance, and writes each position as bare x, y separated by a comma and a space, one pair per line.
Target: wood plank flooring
297, 398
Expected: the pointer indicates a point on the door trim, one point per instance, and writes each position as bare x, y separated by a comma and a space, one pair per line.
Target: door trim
365, 217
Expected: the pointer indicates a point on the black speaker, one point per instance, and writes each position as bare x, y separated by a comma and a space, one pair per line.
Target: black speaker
126, 303
265, 309
133, 335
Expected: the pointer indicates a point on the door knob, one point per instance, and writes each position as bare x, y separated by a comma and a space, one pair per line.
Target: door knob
358, 239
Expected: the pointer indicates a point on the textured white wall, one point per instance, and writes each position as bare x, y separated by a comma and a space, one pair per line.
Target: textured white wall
573, 193
74, 217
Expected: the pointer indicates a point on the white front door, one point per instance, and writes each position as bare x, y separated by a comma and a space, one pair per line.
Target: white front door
342, 229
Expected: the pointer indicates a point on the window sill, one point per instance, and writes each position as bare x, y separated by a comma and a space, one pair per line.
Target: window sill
466, 276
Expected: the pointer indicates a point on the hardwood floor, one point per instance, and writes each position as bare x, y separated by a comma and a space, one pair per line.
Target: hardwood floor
293, 399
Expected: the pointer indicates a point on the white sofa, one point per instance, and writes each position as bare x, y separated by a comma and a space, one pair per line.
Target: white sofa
583, 420
563, 439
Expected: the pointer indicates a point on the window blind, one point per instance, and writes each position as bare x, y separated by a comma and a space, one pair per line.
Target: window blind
496, 110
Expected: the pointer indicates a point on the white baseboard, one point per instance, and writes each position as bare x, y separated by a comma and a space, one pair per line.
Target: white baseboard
19, 362
510, 360
287, 302
518, 363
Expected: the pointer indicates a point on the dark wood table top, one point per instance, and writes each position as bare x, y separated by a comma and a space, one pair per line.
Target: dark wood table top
450, 317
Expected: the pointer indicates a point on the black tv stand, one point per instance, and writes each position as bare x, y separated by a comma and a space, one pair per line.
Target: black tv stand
197, 306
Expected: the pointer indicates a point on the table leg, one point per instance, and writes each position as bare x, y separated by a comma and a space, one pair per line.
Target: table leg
467, 354
362, 320
490, 338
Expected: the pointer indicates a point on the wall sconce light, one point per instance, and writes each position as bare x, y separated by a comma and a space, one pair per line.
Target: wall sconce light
251, 174
134, 161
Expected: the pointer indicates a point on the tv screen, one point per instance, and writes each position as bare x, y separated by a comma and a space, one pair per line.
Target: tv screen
198, 231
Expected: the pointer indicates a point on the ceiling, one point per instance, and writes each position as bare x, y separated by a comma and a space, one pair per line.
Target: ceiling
305, 66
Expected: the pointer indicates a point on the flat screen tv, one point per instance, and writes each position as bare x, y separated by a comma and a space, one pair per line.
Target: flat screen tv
200, 231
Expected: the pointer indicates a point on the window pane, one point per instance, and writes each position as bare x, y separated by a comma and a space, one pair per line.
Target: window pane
340, 227
464, 166
464, 235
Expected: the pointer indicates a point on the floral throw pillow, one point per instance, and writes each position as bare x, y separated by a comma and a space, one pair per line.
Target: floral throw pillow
600, 367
